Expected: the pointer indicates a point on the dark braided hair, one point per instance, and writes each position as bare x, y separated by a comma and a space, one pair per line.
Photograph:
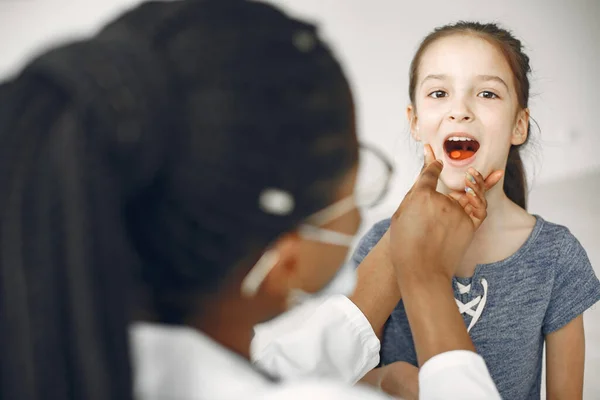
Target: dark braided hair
137, 157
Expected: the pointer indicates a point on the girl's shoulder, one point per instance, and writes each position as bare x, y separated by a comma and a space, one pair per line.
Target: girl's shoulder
377, 230
554, 241
575, 286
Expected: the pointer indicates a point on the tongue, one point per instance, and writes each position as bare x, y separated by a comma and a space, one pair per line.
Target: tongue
461, 154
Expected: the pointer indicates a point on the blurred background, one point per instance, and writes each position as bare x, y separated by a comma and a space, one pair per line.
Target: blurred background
375, 41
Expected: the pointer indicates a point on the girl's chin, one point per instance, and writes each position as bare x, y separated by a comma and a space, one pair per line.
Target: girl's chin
453, 183
455, 189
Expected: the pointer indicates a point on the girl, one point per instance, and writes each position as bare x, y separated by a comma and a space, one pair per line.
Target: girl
523, 281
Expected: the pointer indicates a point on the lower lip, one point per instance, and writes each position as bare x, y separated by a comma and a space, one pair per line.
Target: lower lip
458, 163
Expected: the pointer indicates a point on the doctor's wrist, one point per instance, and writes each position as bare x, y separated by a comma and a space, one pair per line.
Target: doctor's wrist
418, 281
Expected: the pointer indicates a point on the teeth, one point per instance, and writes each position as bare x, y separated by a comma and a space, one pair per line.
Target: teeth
459, 139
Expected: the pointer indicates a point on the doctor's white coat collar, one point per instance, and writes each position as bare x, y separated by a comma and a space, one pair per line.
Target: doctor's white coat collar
180, 363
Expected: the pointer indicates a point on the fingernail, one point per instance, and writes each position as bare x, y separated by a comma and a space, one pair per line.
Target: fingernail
471, 178
473, 171
470, 191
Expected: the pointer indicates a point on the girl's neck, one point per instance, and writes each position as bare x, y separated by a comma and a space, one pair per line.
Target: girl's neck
500, 209
503, 232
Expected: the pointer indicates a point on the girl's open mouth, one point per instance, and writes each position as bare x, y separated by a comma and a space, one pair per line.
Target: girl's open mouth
460, 147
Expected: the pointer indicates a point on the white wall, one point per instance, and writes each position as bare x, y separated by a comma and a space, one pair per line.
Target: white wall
375, 40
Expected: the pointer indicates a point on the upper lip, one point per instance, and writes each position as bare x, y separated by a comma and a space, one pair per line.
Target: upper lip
460, 134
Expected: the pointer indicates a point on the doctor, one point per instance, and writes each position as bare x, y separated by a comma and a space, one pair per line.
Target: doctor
195, 167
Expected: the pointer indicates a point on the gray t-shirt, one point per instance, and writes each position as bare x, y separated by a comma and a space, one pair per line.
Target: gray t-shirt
508, 306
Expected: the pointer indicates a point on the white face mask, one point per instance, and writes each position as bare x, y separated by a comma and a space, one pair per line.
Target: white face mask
344, 281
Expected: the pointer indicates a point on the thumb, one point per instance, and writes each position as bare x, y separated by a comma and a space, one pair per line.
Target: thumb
494, 178
429, 175
429, 155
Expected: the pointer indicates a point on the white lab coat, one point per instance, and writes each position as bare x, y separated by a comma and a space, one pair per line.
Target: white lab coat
327, 337
332, 338
179, 363
334, 341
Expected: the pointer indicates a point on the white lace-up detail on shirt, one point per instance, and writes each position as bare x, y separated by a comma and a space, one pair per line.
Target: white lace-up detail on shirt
474, 308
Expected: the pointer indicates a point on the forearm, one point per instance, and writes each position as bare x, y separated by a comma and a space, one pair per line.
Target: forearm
565, 359
565, 386
435, 322
571, 394
377, 292
373, 377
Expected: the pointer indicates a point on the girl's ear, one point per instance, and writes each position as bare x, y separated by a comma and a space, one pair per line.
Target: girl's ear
411, 116
521, 130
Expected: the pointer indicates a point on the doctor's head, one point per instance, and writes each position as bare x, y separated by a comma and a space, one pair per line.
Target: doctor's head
264, 141
207, 146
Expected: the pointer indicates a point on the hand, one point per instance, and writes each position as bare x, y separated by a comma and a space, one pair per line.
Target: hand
473, 200
401, 379
433, 229
398, 379
433, 232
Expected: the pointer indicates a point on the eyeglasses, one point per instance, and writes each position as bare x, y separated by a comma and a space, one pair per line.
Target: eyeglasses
373, 180
375, 172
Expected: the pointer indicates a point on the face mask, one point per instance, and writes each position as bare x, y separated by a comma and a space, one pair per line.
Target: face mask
344, 281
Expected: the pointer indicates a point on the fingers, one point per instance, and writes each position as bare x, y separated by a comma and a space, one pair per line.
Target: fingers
473, 207
429, 177
475, 190
401, 379
493, 179
432, 169
473, 200
472, 211
460, 197
474, 184
429, 155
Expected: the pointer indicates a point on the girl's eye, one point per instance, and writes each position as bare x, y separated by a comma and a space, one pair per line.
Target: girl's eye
486, 94
438, 94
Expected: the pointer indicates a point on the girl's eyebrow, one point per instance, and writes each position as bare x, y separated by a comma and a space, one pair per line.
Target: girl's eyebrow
494, 78
483, 78
438, 77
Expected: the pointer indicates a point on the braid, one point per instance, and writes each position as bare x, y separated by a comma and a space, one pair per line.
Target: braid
80, 144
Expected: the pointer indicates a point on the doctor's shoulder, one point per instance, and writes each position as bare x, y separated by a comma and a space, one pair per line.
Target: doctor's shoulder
320, 389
